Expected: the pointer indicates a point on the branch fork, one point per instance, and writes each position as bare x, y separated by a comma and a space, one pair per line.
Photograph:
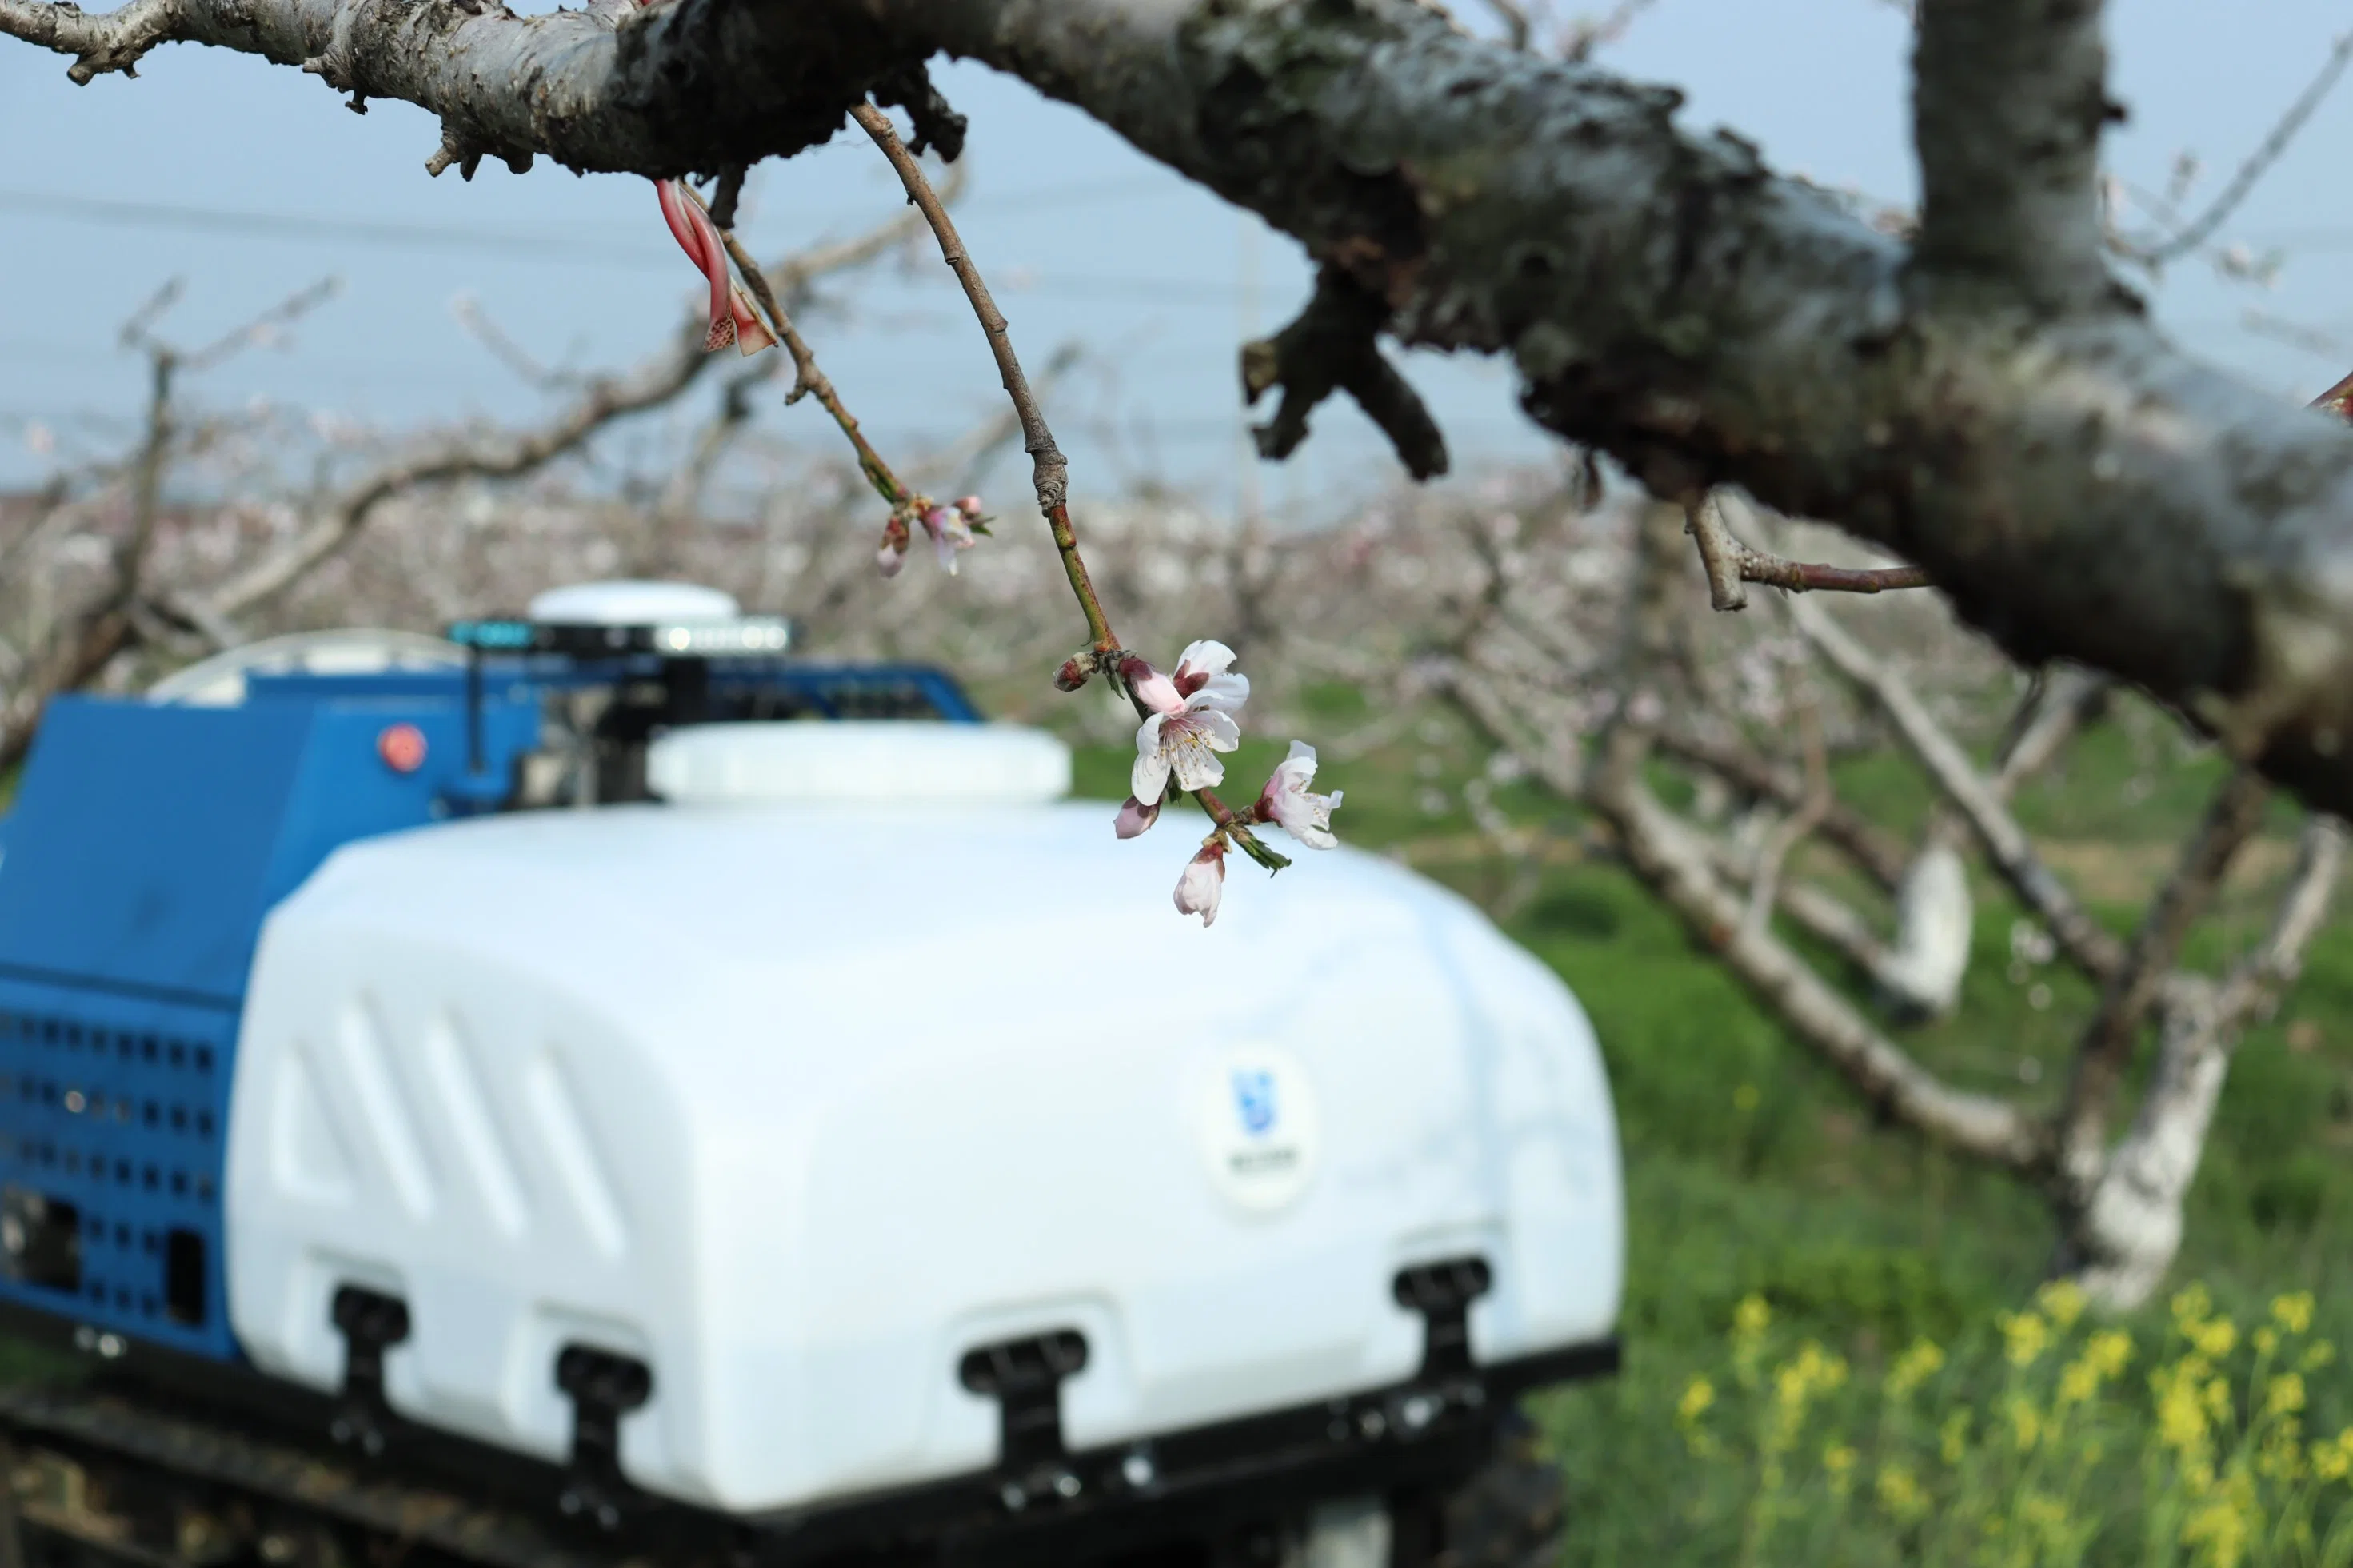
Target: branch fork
1333, 346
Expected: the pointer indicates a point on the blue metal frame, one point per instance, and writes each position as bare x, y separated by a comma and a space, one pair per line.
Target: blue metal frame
146, 845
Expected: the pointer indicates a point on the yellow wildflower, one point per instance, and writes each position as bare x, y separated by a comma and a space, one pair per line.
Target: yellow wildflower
2078, 1383
2108, 1350
2062, 1301
1953, 1439
2221, 1528
1901, 1495
2180, 1415
2025, 1421
2027, 1336
2045, 1514
2318, 1354
2191, 1305
1751, 1317
2218, 1398
1838, 1459
2284, 1396
2294, 1311
2332, 1458
2215, 1337
2266, 1340
1915, 1366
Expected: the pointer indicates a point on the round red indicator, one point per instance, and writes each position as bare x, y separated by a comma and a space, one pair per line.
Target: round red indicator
401, 747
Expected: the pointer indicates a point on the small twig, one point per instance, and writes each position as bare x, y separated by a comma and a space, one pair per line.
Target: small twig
807, 379
2268, 153
1791, 832
1730, 565
1517, 28
2260, 974
291, 308
1870, 846
506, 350
1048, 470
1586, 35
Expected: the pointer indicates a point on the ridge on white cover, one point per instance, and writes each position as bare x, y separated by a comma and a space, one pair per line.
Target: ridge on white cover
851, 760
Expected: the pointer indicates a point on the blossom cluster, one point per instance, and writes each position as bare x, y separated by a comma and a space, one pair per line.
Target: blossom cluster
951, 526
1190, 716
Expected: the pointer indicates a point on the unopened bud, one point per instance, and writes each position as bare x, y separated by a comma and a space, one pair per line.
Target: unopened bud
1073, 675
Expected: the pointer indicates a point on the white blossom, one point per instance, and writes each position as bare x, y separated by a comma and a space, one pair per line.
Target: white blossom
1203, 882
1287, 803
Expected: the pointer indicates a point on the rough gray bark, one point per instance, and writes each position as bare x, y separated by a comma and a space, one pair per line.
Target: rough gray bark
2078, 486
2009, 101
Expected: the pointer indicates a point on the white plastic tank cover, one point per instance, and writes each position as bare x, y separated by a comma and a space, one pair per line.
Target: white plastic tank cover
853, 760
799, 1104
632, 602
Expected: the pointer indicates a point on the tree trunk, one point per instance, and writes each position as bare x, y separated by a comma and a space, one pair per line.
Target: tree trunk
2118, 1238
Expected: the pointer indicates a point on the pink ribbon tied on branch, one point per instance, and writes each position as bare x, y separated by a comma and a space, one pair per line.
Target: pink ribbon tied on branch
732, 318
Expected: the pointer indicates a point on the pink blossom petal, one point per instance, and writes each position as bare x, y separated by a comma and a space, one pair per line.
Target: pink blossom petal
1151, 687
1134, 817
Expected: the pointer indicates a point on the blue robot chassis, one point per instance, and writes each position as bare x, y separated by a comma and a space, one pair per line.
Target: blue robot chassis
146, 845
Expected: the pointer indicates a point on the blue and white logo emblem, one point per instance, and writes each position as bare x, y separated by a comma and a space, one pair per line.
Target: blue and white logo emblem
1254, 1099
1255, 1115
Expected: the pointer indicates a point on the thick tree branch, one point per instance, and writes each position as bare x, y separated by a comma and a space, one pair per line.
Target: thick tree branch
2078, 486
2009, 100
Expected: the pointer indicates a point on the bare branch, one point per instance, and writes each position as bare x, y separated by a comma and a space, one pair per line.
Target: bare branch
2062, 700
2104, 1050
1669, 859
1869, 845
2263, 974
263, 328
2242, 184
2085, 941
1791, 831
505, 350
1049, 471
1730, 564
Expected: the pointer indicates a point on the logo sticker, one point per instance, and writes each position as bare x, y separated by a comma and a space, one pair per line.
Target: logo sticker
1259, 1131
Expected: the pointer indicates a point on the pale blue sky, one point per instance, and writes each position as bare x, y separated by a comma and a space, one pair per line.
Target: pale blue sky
1084, 238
